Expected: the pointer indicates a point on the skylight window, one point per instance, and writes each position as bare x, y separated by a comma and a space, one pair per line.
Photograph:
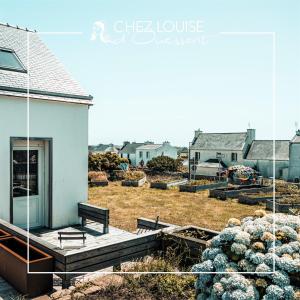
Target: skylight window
10, 61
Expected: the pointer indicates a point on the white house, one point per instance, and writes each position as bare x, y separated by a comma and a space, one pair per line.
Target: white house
243, 149
148, 151
39, 100
129, 151
294, 153
231, 148
261, 157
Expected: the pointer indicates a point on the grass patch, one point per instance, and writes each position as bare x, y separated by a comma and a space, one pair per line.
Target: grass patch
127, 204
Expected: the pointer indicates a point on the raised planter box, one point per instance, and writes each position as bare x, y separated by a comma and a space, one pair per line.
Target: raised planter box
281, 207
134, 183
167, 185
246, 199
4, 234
195, 188
190, 241
234, 192
98, 183
13, 267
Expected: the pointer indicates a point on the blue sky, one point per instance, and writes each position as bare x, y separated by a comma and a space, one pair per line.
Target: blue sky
160, 91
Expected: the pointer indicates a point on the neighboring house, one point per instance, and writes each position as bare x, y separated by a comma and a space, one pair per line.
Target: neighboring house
129, 151
230, 148
260, 156
58, 134
148, 151
294, 154
102, 148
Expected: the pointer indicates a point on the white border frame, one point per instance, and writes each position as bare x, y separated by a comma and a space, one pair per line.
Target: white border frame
226, 33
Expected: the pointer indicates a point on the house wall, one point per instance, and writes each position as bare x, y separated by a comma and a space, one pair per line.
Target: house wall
205, 171
265, 167
209, 154
131, 157
294, 170
67, 125
165, 150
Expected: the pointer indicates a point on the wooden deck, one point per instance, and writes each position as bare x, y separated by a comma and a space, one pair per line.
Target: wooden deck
94, 237
100, 250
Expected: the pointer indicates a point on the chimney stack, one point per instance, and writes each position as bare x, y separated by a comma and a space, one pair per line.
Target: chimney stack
198, 132
251, 134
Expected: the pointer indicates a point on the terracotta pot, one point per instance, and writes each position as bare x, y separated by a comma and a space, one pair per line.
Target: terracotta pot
14, 266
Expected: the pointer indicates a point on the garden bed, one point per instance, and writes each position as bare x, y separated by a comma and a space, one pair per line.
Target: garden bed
134, 183
97, 179
166, 185
190, 241
253, 199
200, 185
234, 192
281, 207
134, 178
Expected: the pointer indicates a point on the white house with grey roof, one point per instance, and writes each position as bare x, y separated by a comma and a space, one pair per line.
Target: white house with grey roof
261, 157
148, 151
206, 148
129, 151
242, 149
43, 107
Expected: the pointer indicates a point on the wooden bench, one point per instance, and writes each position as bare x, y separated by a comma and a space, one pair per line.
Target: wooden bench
71, 235
94, 213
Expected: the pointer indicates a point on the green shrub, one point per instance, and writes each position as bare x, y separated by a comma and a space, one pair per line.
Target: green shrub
105, 162
165, 163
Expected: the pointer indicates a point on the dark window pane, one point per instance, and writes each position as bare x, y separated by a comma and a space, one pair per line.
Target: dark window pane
9, 60
20, 175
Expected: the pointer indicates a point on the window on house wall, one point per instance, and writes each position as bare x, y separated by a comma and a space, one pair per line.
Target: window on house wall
141, 154
128, 155
24, 183
122, 155
197, 156
233, 156
147, 154
10, 61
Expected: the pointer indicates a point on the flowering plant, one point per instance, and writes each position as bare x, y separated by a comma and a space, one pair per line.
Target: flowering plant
266, 248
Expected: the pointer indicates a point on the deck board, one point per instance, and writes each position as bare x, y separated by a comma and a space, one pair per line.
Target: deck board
94, 237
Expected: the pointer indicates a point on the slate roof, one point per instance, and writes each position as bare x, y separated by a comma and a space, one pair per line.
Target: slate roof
296, 139
130, 148
48, 78
220, 141
263, 150
149, 147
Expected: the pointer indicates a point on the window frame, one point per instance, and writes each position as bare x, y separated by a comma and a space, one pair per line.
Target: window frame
22, 68
148, 154
140, 154
234, 157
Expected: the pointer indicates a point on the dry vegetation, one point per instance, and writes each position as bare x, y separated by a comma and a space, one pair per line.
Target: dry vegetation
126, 204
